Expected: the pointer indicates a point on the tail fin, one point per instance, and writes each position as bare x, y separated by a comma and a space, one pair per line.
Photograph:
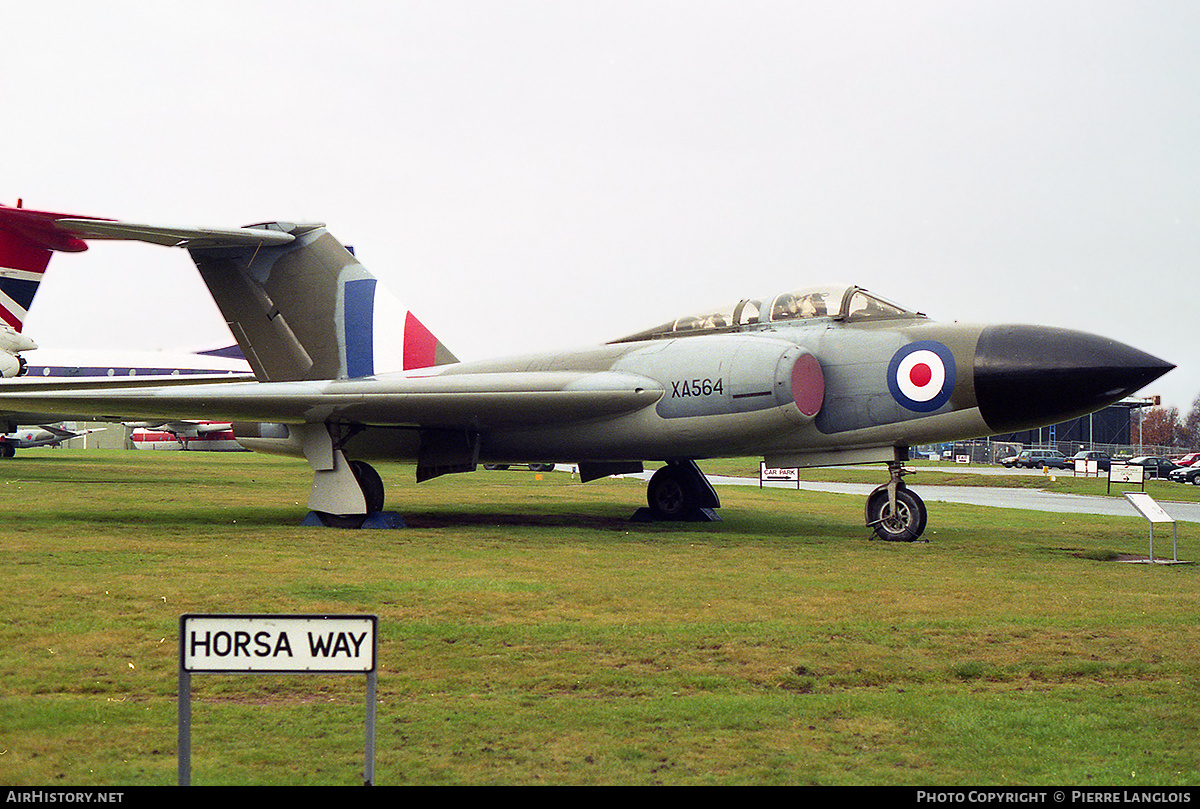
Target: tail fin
309, 310
298, 303
27, 238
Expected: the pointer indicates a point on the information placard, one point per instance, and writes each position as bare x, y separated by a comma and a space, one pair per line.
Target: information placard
1146, 506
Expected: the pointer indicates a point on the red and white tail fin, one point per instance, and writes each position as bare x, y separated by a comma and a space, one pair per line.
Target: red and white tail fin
27, 238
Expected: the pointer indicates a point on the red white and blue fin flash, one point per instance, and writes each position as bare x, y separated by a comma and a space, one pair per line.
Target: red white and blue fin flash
921, 376
383, 336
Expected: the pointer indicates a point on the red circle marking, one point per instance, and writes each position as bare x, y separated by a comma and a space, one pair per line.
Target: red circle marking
808, 384
920, 374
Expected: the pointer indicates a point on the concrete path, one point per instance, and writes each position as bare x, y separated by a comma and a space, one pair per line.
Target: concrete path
997, 497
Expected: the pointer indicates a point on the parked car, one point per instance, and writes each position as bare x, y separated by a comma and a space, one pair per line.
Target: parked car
1188, 460
1186, 474
1102, 459
1036, 459
1155, 466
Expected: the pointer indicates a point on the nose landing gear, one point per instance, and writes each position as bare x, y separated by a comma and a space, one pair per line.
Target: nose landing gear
894, 512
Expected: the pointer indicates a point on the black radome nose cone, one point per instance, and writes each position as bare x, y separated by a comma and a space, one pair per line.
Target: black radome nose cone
1031, 376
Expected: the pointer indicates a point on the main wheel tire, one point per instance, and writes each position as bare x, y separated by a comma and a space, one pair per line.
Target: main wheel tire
370, 483
671, 495
905, 525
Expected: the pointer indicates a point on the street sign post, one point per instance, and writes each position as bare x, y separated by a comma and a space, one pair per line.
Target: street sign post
275, 644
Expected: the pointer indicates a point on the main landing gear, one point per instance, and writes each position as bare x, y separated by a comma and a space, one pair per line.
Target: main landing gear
370, 486
680, 492
345, 493
894, 512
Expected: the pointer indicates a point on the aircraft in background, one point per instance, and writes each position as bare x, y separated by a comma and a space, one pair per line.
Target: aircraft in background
127, 366
12, 343
24, 259
73, 363
812, 377
202, 436
47, 435
23, 263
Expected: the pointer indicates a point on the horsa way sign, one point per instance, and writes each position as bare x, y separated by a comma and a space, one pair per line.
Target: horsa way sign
318, 644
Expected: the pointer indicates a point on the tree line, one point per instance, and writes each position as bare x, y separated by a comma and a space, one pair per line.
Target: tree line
1166, 427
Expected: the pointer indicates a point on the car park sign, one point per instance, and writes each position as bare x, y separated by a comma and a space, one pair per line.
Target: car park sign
1126, 473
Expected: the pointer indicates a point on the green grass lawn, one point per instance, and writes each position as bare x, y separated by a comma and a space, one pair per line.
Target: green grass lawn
532, 634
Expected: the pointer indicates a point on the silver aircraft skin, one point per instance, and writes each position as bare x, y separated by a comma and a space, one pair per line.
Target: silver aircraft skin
811, 377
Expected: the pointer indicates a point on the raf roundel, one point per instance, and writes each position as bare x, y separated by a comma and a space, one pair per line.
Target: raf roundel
921, 376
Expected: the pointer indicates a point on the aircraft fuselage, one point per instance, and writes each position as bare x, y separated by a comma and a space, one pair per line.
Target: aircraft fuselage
809, 394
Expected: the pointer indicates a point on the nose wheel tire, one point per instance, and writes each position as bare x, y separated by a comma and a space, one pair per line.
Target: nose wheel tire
904, 523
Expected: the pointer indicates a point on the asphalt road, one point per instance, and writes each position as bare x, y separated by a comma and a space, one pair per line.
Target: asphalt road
997, 497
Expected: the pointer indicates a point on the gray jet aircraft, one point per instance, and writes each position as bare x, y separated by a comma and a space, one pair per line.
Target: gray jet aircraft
812, 377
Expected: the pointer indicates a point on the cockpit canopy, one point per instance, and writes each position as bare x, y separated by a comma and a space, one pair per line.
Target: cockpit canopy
851, 304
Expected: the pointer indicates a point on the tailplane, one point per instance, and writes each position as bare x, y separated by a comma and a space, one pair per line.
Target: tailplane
299, 304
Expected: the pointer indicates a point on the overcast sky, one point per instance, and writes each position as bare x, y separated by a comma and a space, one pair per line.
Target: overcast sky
589, 169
